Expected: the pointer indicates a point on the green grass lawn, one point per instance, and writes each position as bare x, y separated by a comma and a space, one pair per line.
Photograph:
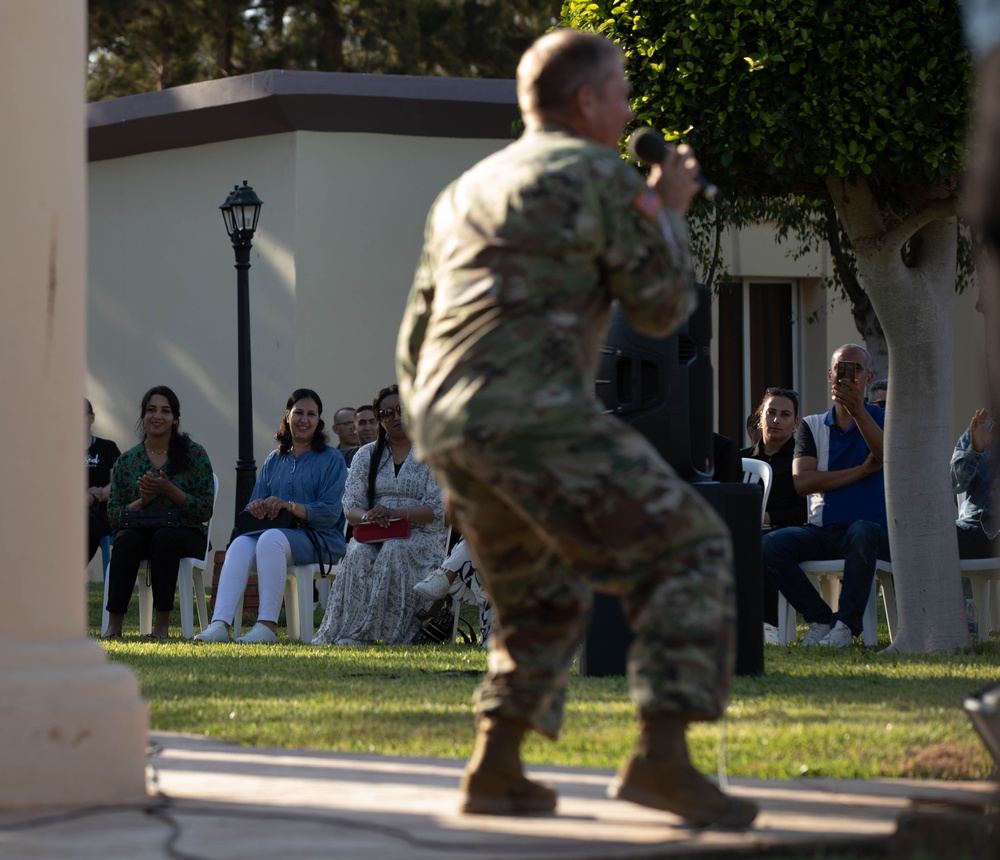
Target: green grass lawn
814, 712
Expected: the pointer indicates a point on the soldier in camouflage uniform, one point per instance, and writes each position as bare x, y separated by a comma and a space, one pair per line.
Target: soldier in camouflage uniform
523, 256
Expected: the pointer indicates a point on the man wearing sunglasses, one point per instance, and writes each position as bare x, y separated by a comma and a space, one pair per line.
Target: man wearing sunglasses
496, 360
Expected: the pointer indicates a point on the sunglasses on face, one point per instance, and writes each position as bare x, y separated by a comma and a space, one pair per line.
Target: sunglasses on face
389, 412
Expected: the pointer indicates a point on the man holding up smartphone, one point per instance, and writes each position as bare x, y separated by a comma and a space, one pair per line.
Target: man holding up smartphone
838, 465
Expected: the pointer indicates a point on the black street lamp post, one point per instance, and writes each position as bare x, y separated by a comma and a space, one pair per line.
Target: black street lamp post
240, 212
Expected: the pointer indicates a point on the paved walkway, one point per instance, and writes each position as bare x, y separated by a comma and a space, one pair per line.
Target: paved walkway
215, 800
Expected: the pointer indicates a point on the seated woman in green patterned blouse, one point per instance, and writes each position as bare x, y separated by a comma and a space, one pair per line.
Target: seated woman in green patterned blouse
166, 470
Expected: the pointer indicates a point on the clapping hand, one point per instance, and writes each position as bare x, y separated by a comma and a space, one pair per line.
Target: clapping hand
153, 484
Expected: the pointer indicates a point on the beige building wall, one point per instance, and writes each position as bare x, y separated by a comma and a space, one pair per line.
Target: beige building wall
362, 202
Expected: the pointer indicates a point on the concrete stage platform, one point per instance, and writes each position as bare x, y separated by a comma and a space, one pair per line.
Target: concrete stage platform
214, 799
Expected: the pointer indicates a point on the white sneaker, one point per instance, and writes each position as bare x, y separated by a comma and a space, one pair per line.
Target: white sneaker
215, 632
814, 634
839, 637
435, 586
259, 635
771, 634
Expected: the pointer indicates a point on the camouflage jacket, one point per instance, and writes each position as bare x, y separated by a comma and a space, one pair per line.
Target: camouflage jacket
523, 256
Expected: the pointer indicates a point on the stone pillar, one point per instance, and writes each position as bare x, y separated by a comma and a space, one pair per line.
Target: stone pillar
72, 725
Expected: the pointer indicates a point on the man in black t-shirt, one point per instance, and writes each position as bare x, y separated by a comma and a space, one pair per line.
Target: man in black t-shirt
101, 456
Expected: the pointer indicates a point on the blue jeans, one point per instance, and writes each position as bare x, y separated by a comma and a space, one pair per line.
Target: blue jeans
858, 544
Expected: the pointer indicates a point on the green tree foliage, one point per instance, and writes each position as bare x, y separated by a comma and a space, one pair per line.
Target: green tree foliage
775, 95
145, 45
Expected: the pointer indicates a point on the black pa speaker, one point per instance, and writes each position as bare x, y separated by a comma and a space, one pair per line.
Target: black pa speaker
608, 636
663, 387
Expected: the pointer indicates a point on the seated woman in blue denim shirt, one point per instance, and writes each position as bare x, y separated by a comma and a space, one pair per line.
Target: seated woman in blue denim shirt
305, 477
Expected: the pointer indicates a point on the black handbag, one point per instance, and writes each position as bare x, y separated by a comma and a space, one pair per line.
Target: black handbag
436, 624
247, 522
156, 518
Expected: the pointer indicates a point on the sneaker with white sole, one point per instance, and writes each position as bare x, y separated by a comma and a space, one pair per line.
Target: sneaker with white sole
259, 635
840, 637
814, 634
435, 586
217, 631
771, 635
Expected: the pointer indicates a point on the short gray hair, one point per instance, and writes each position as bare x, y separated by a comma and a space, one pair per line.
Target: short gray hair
557, 65
855, 346
879, 385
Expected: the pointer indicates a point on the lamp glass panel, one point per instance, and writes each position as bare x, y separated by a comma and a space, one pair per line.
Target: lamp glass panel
244, 216
248, 216
228, 218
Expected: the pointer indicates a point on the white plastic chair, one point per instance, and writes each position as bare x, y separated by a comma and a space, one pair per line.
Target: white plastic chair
883, 576
299, 580
191, 577
827, 577
105, 547
984, 575
757, 471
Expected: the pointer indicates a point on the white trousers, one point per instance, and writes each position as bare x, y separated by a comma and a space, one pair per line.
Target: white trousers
271, 554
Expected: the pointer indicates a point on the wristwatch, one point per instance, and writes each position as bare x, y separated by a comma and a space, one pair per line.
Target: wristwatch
291, 508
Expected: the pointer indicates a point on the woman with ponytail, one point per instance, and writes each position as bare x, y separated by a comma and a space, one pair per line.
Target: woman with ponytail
372, 598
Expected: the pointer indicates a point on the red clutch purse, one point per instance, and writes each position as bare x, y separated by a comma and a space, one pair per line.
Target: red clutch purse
374, 533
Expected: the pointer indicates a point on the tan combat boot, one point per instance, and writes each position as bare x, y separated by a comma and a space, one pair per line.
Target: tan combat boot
660, 774
493, 783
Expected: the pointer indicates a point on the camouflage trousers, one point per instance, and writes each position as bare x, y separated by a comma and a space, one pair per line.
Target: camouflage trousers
551, 518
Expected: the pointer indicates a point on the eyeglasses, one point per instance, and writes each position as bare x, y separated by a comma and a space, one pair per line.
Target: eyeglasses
389, 412
782, 392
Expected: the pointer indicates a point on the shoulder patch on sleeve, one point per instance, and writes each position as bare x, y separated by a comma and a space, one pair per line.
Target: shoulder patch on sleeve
648, 204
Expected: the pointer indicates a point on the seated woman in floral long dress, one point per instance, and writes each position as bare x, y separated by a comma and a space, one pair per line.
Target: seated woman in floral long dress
372, 598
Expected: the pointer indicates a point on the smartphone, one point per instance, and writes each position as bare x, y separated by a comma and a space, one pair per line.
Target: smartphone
847, 371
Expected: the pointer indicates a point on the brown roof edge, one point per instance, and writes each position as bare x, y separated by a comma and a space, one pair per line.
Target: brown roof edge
276, 101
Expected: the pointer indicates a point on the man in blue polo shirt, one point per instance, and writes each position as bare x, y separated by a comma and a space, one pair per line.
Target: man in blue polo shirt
838, 465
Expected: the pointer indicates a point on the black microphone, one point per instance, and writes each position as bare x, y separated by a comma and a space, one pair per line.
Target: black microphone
647, 146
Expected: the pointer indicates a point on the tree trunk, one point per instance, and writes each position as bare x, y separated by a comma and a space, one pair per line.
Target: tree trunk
871, 332
915, 305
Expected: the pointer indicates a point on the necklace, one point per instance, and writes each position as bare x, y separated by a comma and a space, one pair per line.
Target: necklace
151, 451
